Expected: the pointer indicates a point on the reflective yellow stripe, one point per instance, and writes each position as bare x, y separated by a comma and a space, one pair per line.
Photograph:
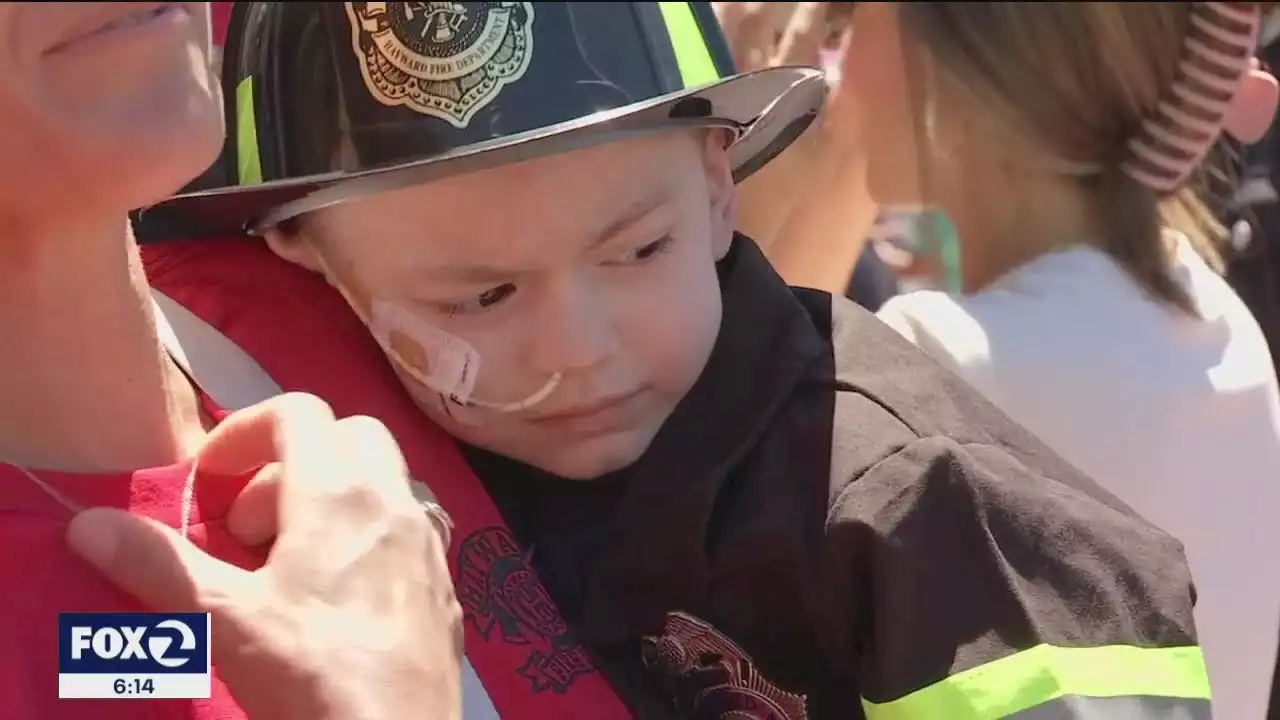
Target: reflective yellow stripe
692, 55
248, 163
1044, 674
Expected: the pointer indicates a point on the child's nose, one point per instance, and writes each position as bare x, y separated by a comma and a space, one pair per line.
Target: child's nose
573, 331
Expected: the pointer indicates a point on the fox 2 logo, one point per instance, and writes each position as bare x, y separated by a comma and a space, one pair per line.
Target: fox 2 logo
144, 643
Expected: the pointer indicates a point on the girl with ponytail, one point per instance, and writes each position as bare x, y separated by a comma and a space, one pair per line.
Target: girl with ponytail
1066, 141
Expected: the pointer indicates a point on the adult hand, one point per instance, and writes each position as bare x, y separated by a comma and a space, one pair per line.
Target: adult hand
353, 616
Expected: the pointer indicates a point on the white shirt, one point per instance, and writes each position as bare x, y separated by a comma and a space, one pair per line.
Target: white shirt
1178, 416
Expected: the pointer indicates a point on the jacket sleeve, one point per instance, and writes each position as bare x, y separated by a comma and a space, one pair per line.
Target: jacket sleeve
973, 587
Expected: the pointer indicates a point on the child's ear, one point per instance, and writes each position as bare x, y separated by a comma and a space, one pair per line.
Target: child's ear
722, 192
294, 247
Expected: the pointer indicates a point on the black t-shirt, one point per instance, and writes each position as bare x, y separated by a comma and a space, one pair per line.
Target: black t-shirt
562, 524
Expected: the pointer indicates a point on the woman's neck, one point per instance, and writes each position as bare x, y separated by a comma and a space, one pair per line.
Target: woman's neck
1002, 233
84, 383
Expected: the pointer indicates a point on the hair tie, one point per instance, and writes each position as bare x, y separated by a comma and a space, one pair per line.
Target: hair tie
1220, 86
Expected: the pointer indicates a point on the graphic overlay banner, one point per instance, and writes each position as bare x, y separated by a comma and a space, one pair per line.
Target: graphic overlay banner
134, 655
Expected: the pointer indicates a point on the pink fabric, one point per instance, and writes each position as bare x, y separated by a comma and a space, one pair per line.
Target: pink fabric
1250, 116
830, 58
1215, 91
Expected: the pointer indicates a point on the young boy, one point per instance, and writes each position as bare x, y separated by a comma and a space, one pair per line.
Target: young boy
531, 206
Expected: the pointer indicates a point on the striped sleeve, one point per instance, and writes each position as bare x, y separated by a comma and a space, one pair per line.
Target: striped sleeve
975, 588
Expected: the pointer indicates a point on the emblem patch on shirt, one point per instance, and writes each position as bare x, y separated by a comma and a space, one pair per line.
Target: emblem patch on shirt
503, 600
443, 59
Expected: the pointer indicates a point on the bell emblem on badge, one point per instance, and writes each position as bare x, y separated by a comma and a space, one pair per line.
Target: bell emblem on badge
442, 19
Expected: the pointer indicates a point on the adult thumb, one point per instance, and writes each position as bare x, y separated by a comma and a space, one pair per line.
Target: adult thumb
151, 561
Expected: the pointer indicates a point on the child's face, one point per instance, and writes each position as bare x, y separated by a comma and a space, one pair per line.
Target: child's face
597, 264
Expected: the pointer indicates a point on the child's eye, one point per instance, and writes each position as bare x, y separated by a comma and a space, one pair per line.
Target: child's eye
645, 252
481, 302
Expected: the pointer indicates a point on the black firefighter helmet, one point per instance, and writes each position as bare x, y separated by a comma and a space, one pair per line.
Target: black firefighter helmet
329, 102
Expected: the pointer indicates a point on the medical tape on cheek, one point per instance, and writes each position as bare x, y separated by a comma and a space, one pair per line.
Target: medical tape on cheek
438, 360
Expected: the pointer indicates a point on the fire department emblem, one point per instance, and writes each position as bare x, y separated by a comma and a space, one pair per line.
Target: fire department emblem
443, 59
504, 601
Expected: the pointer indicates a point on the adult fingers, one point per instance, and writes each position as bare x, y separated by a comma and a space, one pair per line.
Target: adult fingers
152, 562
293, 424
372, 467
254, 517
299, 434
375, 466
366, 483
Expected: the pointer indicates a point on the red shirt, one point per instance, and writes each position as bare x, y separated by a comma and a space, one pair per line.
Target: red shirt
41, 578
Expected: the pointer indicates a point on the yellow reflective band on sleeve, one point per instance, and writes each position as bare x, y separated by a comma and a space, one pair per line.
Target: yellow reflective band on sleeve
1046, 673
248, 163
692, 55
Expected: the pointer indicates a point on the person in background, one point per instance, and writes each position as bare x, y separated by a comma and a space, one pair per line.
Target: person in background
809, 209
875, 279
1257, 184
738, 494
1254, 267
898, 247
108, 449
1061, 139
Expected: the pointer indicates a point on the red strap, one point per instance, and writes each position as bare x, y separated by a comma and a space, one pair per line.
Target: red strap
304, 337
221, 14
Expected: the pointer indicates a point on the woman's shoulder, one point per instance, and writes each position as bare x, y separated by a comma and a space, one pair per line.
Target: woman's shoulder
1066, 338
1074, 303
1076, 320
1012, 320
943, 325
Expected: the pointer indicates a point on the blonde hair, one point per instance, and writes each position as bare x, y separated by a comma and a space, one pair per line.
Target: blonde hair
1074, 81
